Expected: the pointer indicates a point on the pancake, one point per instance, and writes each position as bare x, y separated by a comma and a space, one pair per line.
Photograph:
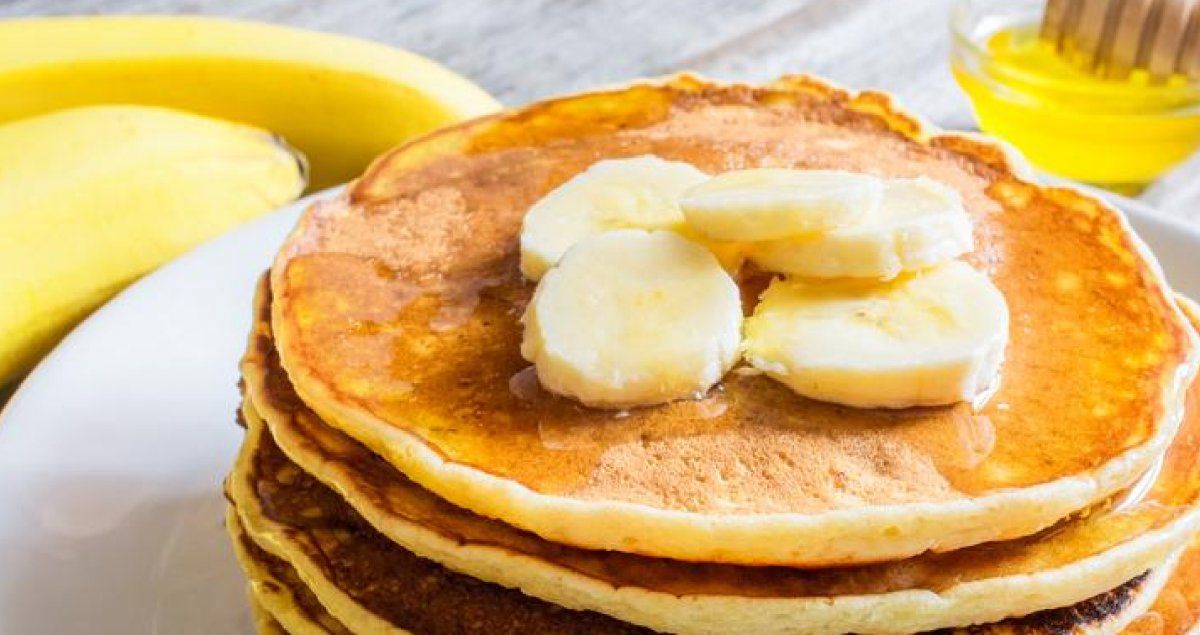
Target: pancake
1177, 608
1111, 612
1067, 564
264, 622
307, 537
397, 311
279, 599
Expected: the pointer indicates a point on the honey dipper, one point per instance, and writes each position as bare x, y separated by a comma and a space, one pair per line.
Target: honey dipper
1114, 37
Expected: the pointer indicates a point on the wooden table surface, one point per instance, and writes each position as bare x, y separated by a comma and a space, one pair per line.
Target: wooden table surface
524, 49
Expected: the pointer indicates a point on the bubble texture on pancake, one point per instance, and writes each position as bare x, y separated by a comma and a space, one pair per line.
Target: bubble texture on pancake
397, 311
1066, 564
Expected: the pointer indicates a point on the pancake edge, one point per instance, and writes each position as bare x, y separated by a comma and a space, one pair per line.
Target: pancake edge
897, 612
838, 537
253, 523
1144, 596
264, 622
267, 594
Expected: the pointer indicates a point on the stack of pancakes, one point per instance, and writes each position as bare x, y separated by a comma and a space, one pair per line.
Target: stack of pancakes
404, 473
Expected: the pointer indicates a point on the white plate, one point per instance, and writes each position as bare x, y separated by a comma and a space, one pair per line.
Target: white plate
112, 452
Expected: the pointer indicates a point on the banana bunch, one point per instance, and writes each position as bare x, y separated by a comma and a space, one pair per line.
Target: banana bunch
93, 195
339, 100
635, 306
91, 198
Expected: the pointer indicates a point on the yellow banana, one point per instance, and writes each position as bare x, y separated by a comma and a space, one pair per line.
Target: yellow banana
340, 100
91, 198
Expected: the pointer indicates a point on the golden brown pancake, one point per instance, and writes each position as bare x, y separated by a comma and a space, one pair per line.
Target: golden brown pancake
1175, 611
264, 623
1177, 607
353, 564
1100, 614
279, 600
984, 583
397, 311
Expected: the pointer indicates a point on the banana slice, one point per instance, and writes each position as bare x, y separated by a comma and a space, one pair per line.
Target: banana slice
637, 193
631, 318
928, 338
919, 223
772, 203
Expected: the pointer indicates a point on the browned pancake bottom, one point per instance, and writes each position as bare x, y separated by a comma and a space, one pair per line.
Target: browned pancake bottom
427, 599
408, 591
282, 573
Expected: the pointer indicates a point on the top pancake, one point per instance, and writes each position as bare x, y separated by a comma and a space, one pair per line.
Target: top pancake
1094, 551
396, 313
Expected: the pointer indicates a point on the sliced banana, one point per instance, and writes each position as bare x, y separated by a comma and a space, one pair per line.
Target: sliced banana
632, 317
639, 193
772, 203
927, 338
919, 223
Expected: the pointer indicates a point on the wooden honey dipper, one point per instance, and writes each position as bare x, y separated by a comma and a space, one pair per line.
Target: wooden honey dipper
1114, 37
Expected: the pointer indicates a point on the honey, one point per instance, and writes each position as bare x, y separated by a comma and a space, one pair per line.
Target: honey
1069, 119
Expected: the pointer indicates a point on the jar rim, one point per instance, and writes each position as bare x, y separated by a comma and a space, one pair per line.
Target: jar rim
965, 40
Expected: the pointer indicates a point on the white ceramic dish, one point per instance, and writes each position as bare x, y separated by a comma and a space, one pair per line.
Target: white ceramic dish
113, 450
